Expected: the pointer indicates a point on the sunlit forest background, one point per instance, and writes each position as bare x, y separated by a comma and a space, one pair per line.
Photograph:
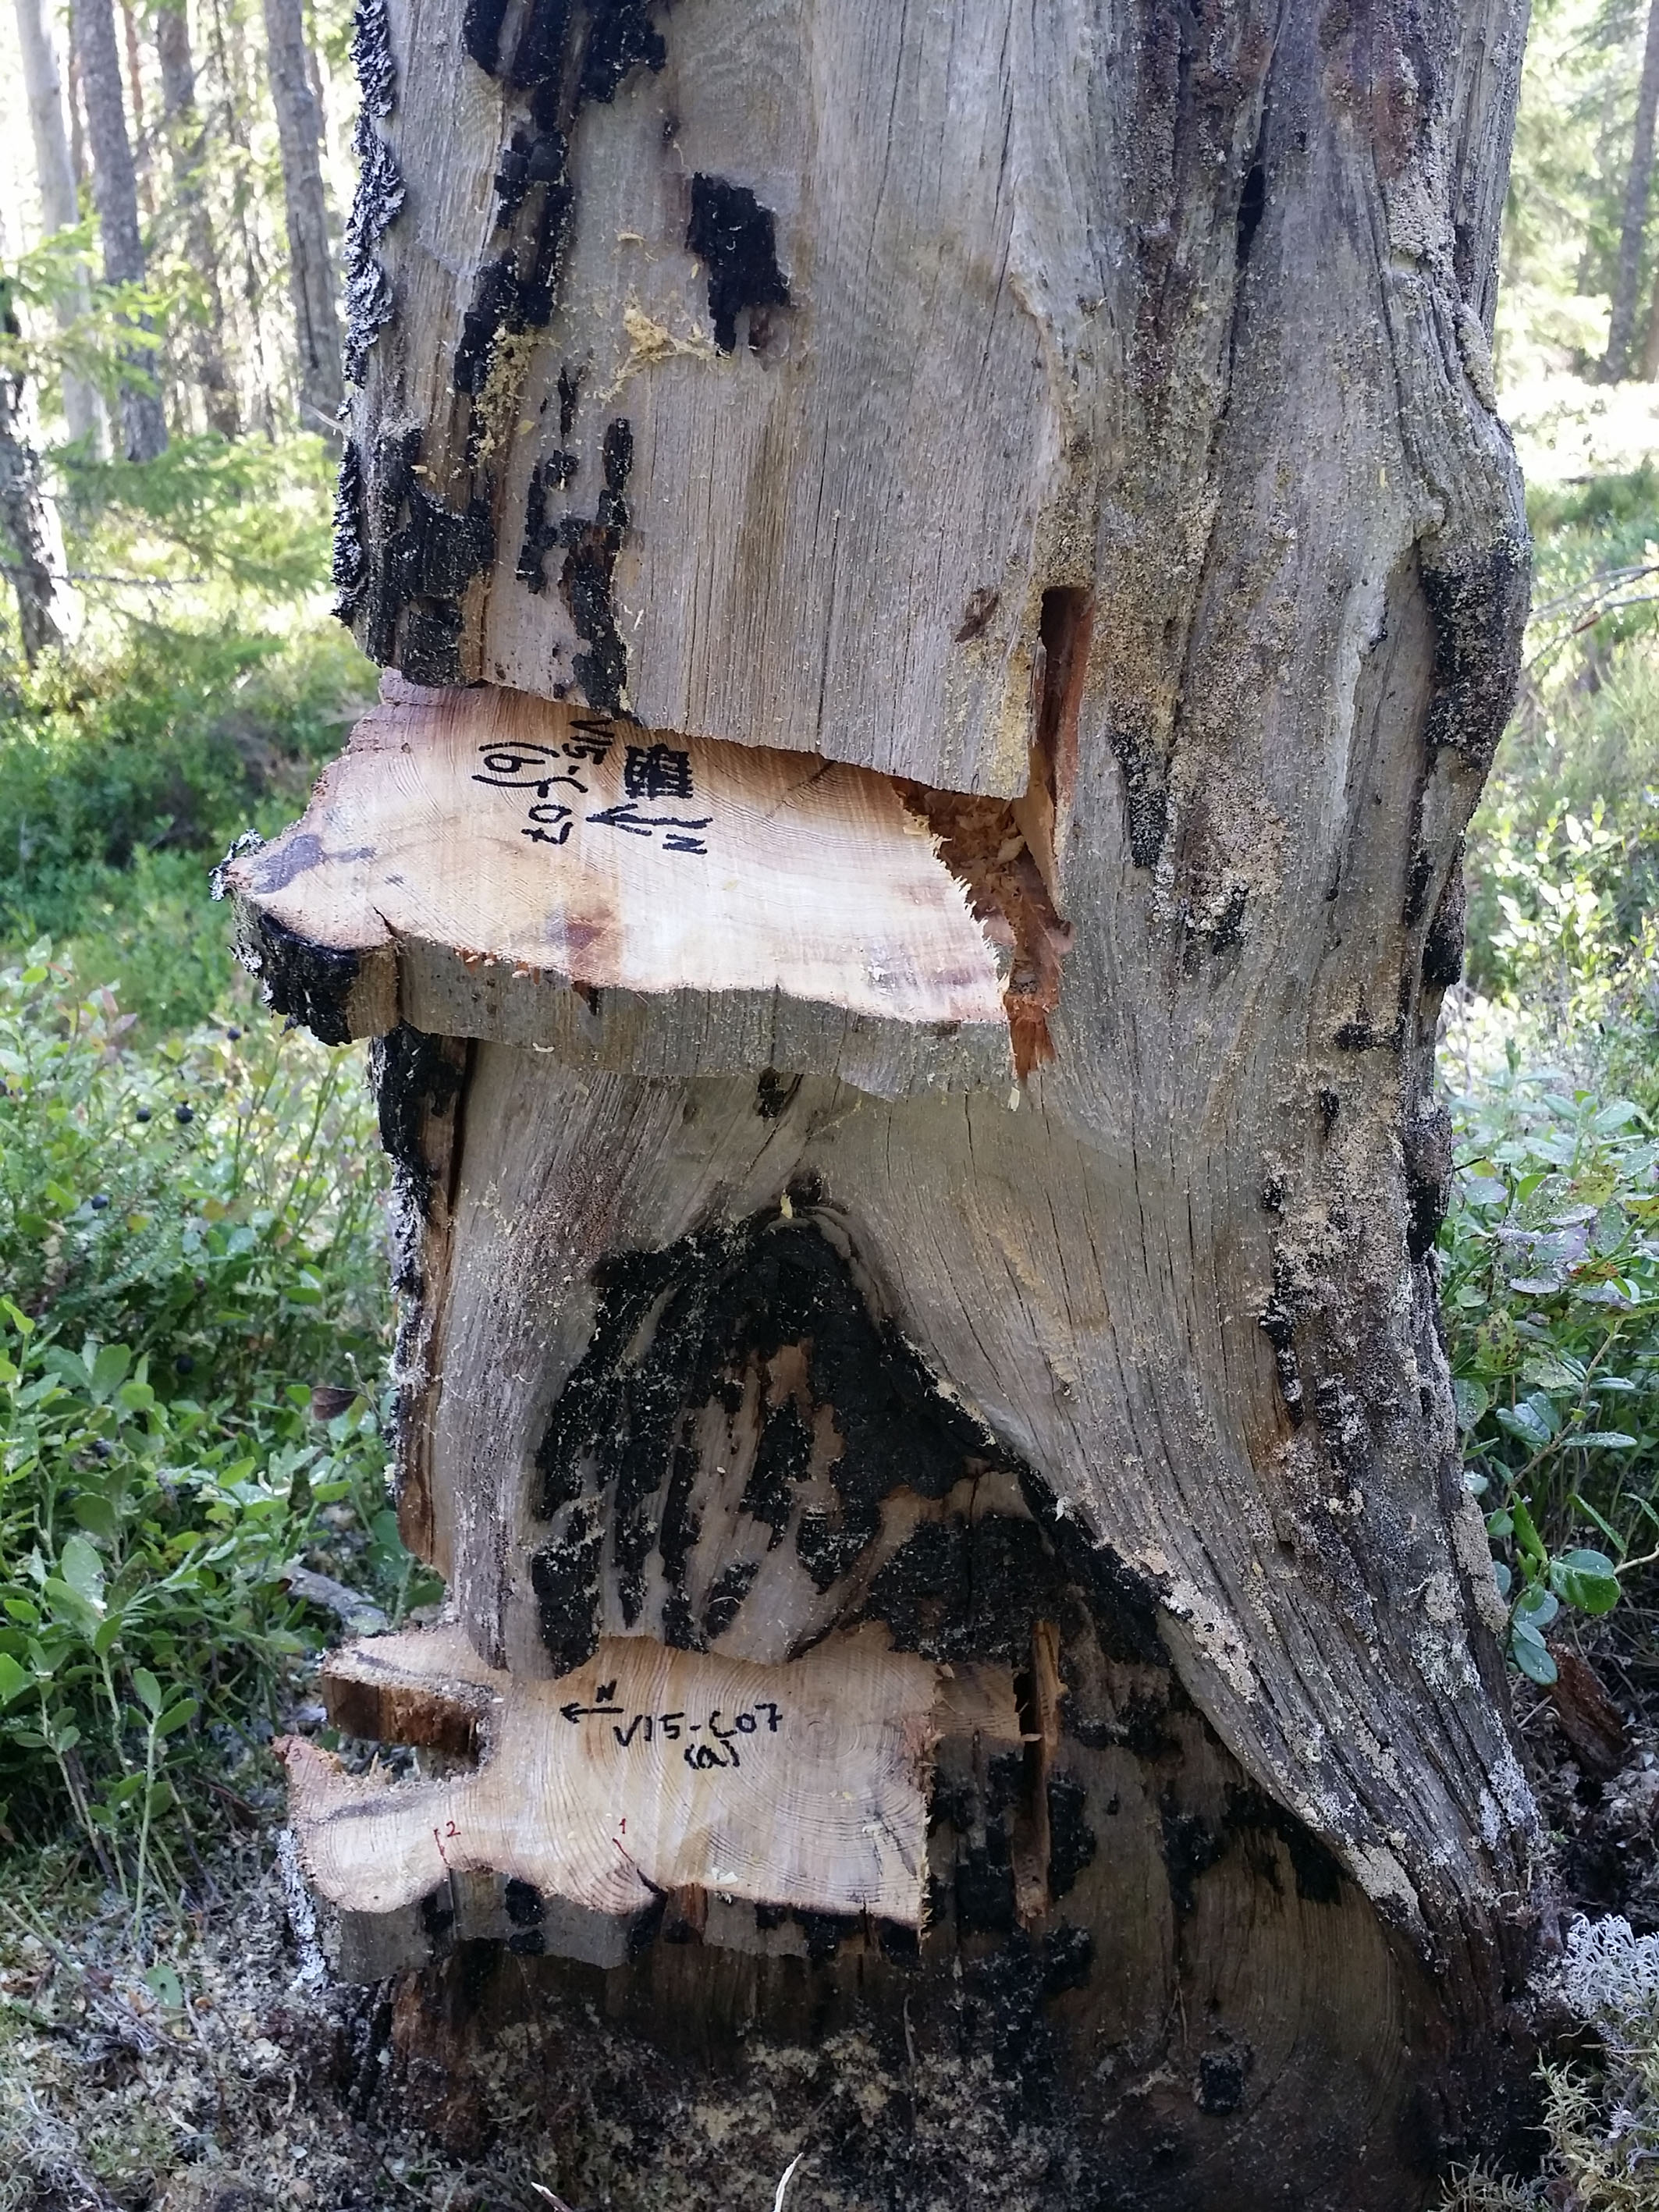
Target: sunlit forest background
194, 1323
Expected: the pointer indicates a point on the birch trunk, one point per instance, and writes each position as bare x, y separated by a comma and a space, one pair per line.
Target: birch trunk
60, 205
187, 145
909, 1067
115, 194
310, 257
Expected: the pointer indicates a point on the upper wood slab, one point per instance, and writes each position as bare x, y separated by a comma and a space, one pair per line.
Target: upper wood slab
714, 364
485, 864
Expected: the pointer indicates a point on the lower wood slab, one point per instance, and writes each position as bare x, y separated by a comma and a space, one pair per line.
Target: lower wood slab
644, 1771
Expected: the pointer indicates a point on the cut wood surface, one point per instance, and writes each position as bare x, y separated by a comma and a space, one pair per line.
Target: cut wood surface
485, 864
646, 1770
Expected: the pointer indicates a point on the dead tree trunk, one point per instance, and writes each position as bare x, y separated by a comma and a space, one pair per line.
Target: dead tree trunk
1627, 273
60, 206
310, 257
909, 1070
115, 194
187, 146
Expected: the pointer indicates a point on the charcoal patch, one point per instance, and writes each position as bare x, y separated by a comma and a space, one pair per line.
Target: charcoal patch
1145, 794
1426, 1144
414, 1078
1252, 205
371, 57
1072, 1841
591, 546
962, 1590
523, 1901
375, 206
1442, 948
1477, 605
1318, 1874
481, 31
783, 1459
620, 40
419, 555
1191, 1848
725, 1599
349, 572
686, 1328
735, 238
565, 1578
310, 983
1221, 2076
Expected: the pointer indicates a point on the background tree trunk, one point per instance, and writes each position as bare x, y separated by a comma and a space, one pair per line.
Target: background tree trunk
115, 192
187, 145
310, 257
141, 149
1621, 327
60, 208
37, 564
962, 415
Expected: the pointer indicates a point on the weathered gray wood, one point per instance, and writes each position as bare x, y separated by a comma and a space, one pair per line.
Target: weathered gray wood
809, 528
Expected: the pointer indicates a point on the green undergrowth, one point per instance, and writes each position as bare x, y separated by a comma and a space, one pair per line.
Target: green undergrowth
1550, 1289
120, 781
193, 1345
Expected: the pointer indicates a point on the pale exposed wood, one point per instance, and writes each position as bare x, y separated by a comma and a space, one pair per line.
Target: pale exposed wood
648, 1770
1122, 459
496, 865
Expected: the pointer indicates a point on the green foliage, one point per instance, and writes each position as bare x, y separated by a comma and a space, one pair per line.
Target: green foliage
169, 748
1550, 1286
108, 335
1564, 853
1565, 203
250, 513
190, 1242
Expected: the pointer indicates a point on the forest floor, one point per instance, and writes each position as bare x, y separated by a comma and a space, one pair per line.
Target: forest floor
212, 2062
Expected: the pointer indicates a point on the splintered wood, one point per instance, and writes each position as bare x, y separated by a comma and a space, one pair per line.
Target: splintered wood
648, 1769
483, 864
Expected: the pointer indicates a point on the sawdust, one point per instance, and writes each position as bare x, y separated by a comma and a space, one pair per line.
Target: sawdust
651, 343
